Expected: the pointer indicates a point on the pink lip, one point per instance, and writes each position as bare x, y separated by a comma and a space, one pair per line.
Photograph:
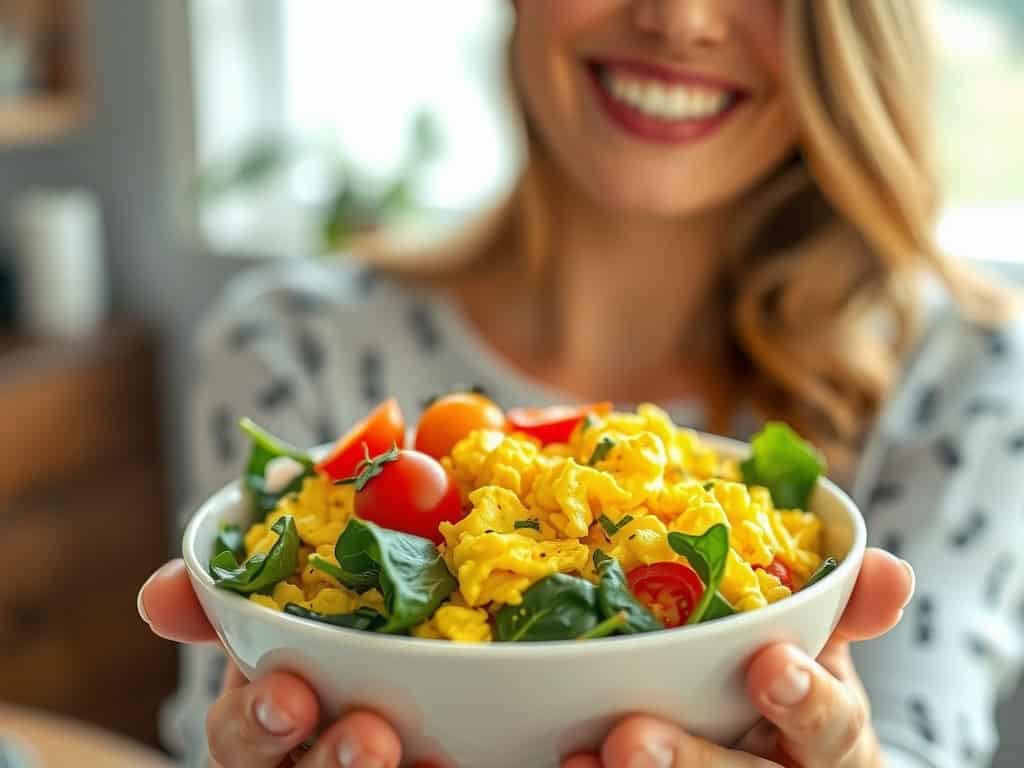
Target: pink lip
667, 74
650, 129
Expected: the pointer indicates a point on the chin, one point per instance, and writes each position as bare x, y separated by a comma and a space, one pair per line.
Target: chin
647, 195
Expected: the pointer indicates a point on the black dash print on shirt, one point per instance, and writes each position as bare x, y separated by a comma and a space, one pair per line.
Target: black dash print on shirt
310, 352
366, 280
222, 428
370, 376
276, 394
986, 406
995, 581
325, 431
921, 718
1016, 444
948, 453
998, 345
892, 542
885, 493
924, 632
421, 322
968, 751
970, 529
302, 302
244, 334
927, 405
977, 646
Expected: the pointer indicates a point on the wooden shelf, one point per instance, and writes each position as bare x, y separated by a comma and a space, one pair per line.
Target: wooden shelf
39, 119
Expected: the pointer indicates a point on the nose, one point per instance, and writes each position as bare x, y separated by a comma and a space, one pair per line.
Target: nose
683, 23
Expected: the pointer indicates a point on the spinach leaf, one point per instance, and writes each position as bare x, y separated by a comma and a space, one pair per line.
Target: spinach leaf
263, 570
611, 527
365, 619
784, 464
828, 565
409, 571
614, 598
230, 539
707, 555
719, 608
264, 448
558, 607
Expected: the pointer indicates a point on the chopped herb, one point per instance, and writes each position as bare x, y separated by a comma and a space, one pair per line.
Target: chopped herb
709, 486
828, 565
587, 423
534, 524
611, 527
601, 451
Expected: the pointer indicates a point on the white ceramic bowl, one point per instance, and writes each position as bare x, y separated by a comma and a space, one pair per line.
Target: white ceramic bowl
516, 705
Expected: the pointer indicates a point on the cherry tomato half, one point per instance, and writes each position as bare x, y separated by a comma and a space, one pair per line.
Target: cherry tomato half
451, 418
779, 570
407, 491
383, 428
553, 424
670, 590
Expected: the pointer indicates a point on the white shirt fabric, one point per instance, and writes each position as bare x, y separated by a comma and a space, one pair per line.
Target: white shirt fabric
306, 349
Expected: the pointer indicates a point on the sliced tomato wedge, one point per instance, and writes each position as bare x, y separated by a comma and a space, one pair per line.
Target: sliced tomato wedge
553, 424
670, 590
374, 435
779, 570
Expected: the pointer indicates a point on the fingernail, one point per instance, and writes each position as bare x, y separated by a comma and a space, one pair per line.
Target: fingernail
272, 718
140, 604
913, 581
166, 568
652, 756
350, 755
790, 687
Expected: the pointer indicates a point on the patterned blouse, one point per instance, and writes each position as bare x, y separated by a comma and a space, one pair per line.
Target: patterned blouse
305, 350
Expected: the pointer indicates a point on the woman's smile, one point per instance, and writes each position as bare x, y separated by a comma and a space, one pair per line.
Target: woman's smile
652, 102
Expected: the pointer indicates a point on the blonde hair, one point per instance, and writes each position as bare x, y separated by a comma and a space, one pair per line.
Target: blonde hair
823, 273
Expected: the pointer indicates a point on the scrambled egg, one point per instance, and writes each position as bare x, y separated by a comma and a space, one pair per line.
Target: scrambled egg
622, 484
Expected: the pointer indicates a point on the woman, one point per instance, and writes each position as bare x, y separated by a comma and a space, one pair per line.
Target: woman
728, 209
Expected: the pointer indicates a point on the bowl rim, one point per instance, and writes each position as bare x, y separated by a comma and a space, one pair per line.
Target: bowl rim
232, 492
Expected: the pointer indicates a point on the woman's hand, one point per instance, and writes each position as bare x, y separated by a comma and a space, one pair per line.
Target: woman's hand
257, 725
816, 712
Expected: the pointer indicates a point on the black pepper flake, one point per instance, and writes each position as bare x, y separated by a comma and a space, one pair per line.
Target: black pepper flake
631, 536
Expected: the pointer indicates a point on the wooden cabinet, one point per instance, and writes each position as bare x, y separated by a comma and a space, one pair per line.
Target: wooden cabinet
83, 513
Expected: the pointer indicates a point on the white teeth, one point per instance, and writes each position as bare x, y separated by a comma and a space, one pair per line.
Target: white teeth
662, 101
